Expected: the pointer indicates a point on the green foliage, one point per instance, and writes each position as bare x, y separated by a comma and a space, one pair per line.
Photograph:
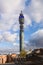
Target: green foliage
23, 53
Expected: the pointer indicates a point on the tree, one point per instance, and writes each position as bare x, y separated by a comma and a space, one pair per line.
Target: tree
23, 54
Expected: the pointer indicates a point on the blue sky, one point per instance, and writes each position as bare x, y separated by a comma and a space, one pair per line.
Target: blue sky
9, 24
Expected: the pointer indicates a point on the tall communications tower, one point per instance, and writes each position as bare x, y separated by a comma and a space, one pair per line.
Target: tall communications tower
21, 22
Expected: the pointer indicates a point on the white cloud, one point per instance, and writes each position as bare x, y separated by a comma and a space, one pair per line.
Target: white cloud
27, 20
9, 11
10, 37
37, 38
16, 47
35, 10
1, 37
10, 6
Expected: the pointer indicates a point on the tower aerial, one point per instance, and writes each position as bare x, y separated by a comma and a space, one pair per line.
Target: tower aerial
21, 22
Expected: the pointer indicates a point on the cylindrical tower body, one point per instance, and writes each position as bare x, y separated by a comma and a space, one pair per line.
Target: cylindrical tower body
21, 22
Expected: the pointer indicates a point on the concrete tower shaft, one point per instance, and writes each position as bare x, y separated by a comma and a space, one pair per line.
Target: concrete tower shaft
21, 22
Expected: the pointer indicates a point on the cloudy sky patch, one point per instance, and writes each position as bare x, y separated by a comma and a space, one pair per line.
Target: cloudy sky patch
9, 23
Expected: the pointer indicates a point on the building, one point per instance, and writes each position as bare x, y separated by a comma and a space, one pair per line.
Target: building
0, 60
3, 59
21, 22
